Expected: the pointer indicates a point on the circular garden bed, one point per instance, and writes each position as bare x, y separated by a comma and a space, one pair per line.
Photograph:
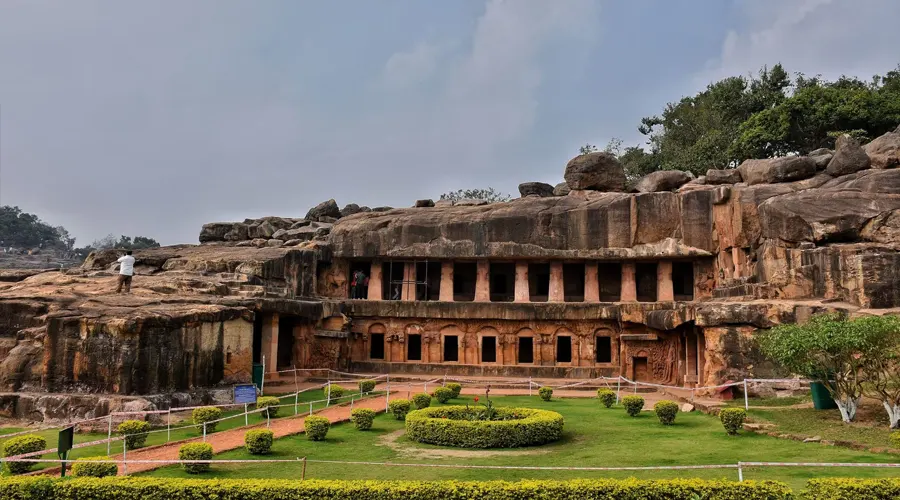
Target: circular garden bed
465, 427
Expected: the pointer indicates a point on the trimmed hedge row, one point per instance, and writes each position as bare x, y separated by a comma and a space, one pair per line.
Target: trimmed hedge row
139, 488
21, 445
94, 467
852, 489
446, 426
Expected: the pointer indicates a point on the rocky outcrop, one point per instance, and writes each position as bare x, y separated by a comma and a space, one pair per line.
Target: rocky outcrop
662, 180
561, 189
821, 157
535, 189
786, 169
728, 176
352, 208
327, 208
598, 171
849, 157
884, 151
427, 203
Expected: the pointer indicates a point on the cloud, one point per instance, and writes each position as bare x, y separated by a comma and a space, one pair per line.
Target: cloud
412, 67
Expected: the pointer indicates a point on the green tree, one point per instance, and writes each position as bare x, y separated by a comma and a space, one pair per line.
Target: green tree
122, 242
828, 348
24, 230
490, 195
883, 363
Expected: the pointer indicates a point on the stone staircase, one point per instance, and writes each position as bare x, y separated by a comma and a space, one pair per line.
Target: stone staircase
243, 285
744, 287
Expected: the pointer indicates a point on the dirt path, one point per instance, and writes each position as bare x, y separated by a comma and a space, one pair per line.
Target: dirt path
234, 438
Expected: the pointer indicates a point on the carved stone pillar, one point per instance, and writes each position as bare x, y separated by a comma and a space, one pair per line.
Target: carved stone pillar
664, 292
375, 287
557, 289
483, 282
522, 282
446, 281
270, 341
629, 285
591, 283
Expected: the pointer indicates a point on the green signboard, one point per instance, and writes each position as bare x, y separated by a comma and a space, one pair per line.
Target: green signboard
258, 375
66, 440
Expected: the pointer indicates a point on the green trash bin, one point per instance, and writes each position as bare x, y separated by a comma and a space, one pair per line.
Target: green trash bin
258, 375
822, 399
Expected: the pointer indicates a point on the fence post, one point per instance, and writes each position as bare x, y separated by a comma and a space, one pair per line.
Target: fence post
303, 472
204, 432
746, 398
328, 394
740, 473
618, 388
692, 394
262, 383
296, 383
310, 407
296, 400
268, 418
124, 457
246, 415
529, 386
109, 436
351, 403
169, 425
635, 385
426, 387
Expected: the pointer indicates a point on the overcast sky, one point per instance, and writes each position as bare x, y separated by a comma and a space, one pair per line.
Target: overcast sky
154, 117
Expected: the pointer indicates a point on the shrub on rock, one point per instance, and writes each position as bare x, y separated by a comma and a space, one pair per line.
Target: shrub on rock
334, 392
268, 405
456, 388
207, 415
399, 408
633, 405
362, 418
366, 386
545, 393
421, 400
316, 427
195, 451
135, 432
443, 394
607, 397
259, 441
20, 445
94, 467
666, 411
732, 419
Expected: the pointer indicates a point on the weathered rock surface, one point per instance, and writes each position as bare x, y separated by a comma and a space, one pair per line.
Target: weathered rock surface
426, 203
821, 157
561, 189
352, 208
727, 176
787, 169
662, 180
872, 181
327, 208
849, 157
598, 171
536, 189
884, 151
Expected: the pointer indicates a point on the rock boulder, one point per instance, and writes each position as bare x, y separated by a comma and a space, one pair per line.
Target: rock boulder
662, 180
561, 189
325, 209
770, 171
424, 203
821, 157
726, 176
598, 171
535, 188
884, 151
350, 209
849, 157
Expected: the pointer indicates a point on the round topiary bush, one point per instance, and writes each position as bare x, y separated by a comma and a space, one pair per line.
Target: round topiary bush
207, 415
633, 405
366, 386
732, 419
268, 405
545, 393
135, 432
666, 411
334, 392
93, 467
316, 427
195, 451
21, 445
895, 439
399, 408
456, 388
362, 418
467, 427
607, 397
421, 400
443, 394
259, 441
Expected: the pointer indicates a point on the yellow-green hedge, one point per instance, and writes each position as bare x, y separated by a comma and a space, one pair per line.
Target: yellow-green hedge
126, 488
447, 426
853, 489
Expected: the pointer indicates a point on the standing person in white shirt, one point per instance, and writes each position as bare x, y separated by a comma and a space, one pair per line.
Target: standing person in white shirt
126, 271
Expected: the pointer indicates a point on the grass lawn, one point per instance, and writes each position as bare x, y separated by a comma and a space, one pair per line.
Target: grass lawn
594, 436
827, 424
770, 402
160, 437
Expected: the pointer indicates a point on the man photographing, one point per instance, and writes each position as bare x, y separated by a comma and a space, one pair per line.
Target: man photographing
126, 271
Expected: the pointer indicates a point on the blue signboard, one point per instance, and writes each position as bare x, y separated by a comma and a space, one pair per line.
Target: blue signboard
245, 393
